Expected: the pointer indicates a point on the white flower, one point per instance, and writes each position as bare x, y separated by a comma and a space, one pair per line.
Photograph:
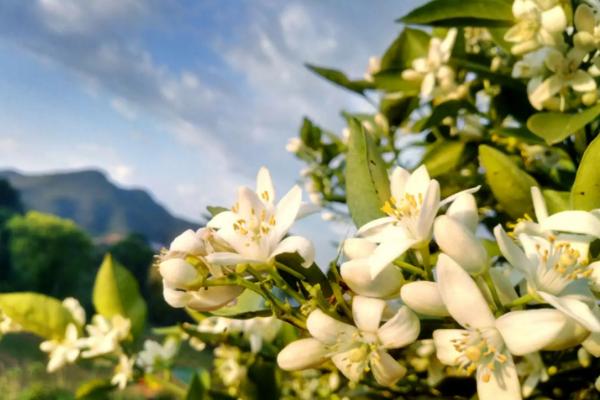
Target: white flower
411, 210
587, 37
256, 330
432, 70
178, 272
539, 23
123, 371
156, 356
461, 244
294, 145
356, 273
485, 344
554, 268
64, 351
566, 73
74, 307
373, 68
354, 350
104, 335
531, 65
255, 227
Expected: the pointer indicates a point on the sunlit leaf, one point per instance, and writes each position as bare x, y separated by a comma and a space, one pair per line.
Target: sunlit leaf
37, 313
510, 185
443, 157
117, 292
585, 194
556, 201
367, 182
461, 13
555, 127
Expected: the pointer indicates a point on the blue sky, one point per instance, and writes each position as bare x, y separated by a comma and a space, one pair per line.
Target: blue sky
184, 98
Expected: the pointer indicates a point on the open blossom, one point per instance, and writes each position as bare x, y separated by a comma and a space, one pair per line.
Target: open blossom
256, 330
410, 211
76, 310
354, 349
104, 335
123, 371
156, 356
256, 227
566, 73
185, 263
433, 70
62, 351
486, 344
539, 23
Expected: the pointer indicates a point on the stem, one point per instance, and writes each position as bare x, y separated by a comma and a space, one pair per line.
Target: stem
290, 271
426, 261
521, 301
337, 291
410, 268
283, 285
487, 278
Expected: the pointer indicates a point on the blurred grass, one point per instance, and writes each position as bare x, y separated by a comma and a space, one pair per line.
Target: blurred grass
23, 373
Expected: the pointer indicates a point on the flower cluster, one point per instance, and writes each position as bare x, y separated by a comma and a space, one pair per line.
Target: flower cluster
559, 60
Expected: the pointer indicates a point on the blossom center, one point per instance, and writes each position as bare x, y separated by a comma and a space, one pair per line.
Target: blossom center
407, 206
480, 348
256, 225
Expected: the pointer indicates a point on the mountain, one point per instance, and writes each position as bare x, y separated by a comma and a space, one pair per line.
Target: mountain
97, 205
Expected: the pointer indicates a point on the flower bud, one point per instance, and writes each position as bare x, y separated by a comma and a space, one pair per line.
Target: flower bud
464, 210
294, 145
589, 98
177, 271
458, 242
188, 242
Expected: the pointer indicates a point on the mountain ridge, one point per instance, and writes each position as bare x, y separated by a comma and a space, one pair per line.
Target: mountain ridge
96, 204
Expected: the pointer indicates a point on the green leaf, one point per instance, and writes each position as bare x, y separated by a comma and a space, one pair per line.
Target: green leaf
95, 389
585, 194
340, 79
397, 108
556, 201
391, 81
554, 127
37, 313
461, 13
198, 388
409, 45
509, 183
248, 305
310, 134
367, 182
117, 292
264, 375
521, 133
312, 274
443, 157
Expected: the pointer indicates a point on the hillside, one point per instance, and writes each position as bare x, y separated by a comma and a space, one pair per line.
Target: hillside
97, 205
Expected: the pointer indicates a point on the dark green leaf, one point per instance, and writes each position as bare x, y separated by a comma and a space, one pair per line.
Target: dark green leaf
521, 133
391, 81
554, 127
312, 274
447, 109
37, 313
585, 194
410, 44
117, 292
247, 305
199, 385
368, 186
340, 79
461, 13
95, 389
510, 185
556, 201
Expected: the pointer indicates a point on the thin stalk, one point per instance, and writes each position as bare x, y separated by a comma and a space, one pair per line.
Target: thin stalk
337, 291
410, 268
487, 278
521, 301
289, 270
426, 261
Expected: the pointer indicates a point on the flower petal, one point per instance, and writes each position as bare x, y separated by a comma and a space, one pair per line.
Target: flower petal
358, 248
592, 344
575, 309
227, 258
429, 209
418, 182
264, 185
175, 298
328, 330
367, 312
386, 370
581, 81
393, 247
353, 370
453, 197
302, 354
222, 219
458, 242
398, 182
464, 210
539, 204
401, 330
357, 275
513, 254
503, 382
297, 244
548, 88
188, 242
554, 20
374, 226
445, 340
286, 212
528, 331
574, 221
461, 295
213, 298
177, 271
424, 297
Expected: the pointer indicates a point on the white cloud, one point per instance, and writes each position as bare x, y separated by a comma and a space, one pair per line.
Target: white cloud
123, 107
